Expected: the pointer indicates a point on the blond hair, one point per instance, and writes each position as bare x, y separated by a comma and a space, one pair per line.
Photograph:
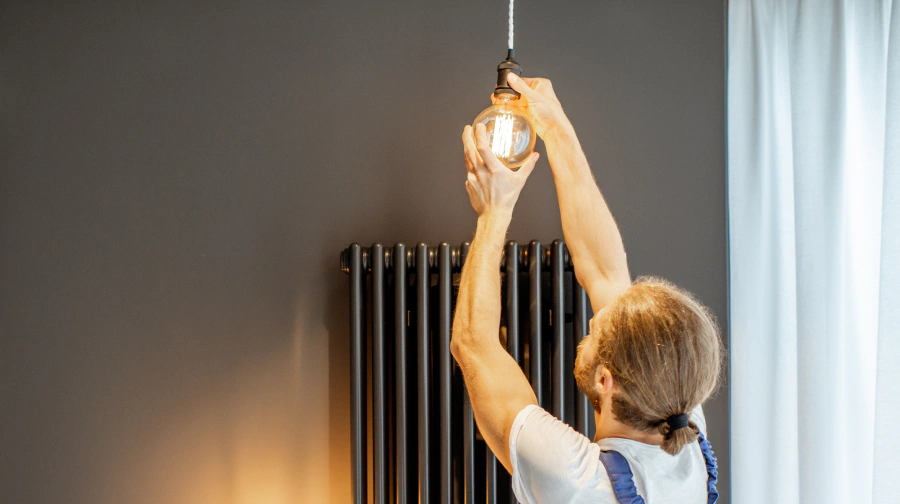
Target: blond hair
664, 352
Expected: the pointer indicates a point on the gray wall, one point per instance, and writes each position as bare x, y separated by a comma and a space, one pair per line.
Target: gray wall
179, 179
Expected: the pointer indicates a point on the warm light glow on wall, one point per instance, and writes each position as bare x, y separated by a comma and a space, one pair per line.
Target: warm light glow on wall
262, 437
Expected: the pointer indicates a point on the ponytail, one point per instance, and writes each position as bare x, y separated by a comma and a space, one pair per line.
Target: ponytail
675, 439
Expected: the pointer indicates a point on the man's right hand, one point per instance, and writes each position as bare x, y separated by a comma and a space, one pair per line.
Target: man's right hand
541, 103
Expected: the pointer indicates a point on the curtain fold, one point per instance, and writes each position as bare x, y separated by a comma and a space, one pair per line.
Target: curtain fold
813, 245
887, 382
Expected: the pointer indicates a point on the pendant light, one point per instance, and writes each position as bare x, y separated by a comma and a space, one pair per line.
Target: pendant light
509, 132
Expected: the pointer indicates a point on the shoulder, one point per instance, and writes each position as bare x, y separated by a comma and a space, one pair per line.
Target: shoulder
552, 462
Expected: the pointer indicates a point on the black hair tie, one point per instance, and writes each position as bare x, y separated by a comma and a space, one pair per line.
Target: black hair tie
678, 421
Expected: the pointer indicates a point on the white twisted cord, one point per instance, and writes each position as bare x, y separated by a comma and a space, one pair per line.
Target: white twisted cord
511, 2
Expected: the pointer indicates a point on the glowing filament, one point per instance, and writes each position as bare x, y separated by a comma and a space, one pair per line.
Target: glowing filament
501, 144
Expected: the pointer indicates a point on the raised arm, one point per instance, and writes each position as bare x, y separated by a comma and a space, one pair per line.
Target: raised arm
497, 387
591, 233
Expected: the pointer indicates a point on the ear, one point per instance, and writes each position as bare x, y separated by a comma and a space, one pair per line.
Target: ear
605, 382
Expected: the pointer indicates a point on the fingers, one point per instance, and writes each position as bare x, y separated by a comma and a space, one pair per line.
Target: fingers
473, 189
471, 182
484, 149
473, 159
524, 86
528, 167
534, 89
469, 166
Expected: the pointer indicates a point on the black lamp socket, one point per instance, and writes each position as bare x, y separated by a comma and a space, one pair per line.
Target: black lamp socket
509, 65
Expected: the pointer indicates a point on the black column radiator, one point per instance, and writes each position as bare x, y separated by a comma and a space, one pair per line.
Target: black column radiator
418, 442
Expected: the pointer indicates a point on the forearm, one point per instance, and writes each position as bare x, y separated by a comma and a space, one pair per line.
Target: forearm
477, 318
498, 390
590, 231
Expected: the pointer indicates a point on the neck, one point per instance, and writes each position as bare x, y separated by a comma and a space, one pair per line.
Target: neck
609, 427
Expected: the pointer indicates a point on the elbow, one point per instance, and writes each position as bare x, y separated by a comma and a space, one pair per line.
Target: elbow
454, 348
458, 343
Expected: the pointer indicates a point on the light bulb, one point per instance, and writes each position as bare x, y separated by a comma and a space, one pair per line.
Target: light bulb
509, 132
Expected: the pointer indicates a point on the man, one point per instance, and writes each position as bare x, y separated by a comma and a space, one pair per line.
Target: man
652, 358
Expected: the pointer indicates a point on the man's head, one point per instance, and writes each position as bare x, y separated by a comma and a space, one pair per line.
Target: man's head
652, 353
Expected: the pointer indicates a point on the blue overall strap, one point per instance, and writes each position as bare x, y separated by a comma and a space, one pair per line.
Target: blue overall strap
711, 469
621, 477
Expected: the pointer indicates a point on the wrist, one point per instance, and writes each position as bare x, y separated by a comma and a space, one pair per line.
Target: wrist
495, 219
564, 152
562, 134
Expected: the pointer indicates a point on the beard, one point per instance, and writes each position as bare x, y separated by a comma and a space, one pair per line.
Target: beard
585, 374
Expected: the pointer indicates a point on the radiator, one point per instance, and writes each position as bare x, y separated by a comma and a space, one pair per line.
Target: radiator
418, 441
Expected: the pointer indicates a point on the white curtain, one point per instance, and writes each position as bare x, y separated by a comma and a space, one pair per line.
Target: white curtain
814, 245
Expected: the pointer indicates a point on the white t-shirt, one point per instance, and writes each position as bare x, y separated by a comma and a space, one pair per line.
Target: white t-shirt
554, 464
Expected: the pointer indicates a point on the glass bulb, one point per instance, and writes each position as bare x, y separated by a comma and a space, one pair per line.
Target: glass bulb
509, 132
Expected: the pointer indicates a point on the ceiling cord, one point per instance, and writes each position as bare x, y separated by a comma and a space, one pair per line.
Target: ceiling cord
511, 2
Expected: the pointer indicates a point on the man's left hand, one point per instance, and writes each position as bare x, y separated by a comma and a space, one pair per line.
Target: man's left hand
492, 187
